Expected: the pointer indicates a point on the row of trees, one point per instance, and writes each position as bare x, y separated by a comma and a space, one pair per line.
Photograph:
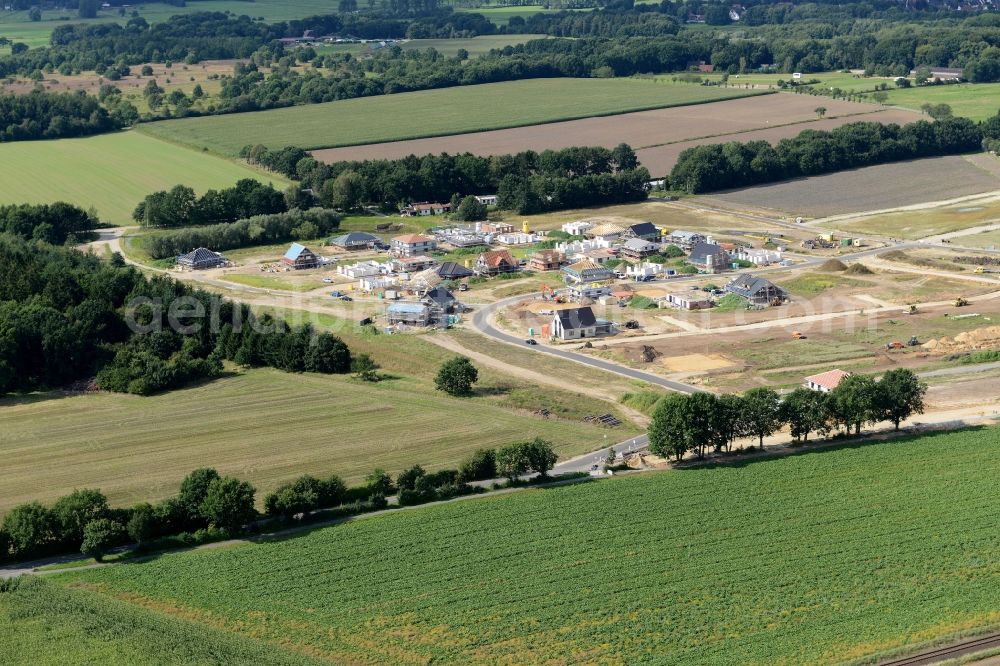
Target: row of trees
67, 316
702, 421
711, 167
257, 230
525, 182
181, 207
83, 520
210, 506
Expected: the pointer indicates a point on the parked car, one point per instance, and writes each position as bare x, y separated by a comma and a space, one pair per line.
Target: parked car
327, 280
346, 298
531, 341
337, 294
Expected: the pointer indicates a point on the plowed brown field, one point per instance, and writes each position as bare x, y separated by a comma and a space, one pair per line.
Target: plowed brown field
658, 136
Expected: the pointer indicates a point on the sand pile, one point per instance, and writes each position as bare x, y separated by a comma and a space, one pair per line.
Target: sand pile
858, 269
979, 338
832, 266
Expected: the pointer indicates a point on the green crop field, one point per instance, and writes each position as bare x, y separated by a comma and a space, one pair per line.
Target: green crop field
269, 427
474, 45
431, 113
111, 172
502, 15
820, 558
978, 101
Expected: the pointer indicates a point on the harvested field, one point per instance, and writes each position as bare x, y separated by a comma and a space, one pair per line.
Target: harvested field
658, 135
431, 113
870, 188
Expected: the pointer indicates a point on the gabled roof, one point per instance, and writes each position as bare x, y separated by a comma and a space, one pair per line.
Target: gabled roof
702, 250
644, 229
450, 269
574, 318
295, 250
409, 239
494, 258
829, 379
355, 238
199, 256
746, 284
440, 295
638, 244
585, 265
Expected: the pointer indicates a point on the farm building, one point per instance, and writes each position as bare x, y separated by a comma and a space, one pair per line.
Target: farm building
494, 262
684, 239
757, 291
300, 257
687, 301
546, 260
425, 208
410, 245
644, 230
708, 256
587, 271
362, 269
578, 323
577, 228
356, 240
200, 259
638, 248
409, 313
450, 270
825, 381
944, 73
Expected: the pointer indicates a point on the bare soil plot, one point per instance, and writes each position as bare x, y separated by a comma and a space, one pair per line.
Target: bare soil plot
872, 188
728, 120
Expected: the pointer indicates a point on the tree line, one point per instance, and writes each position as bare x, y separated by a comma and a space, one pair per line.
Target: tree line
257, 230
711, 167
525, 182
181, 207
700, 422
212, 507
66, 316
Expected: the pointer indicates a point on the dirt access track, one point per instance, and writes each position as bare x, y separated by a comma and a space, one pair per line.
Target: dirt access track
658, 136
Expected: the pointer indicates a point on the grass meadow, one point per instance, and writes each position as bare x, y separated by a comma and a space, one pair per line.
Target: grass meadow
978, 101
474, 45
269, 427
826, 557
431, 113
111, 172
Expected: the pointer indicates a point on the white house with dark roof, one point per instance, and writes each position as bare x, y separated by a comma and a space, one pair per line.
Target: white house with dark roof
578, 323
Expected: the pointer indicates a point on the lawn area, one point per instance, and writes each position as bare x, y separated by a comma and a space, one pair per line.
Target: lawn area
502, 15
989, 240
474, 45
978, 101
430, 113
913, 224
111, 172
827, 557
812, 284
843, 80
269, 427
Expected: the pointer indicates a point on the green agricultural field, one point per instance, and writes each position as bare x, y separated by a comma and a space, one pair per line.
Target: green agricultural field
111, 172
825, 557
431, 113
978, 101
474, 45
269, 427
19, 28
503, 15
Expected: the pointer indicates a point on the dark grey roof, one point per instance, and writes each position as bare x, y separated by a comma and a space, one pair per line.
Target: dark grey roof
441, 296
450, 269
747, 285
702, 250
574, 318
355, 238
644, 229
200, 256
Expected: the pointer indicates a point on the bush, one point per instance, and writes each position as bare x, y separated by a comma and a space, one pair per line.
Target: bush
31, 530
75, 511
456, 377
480, 466
229, 503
